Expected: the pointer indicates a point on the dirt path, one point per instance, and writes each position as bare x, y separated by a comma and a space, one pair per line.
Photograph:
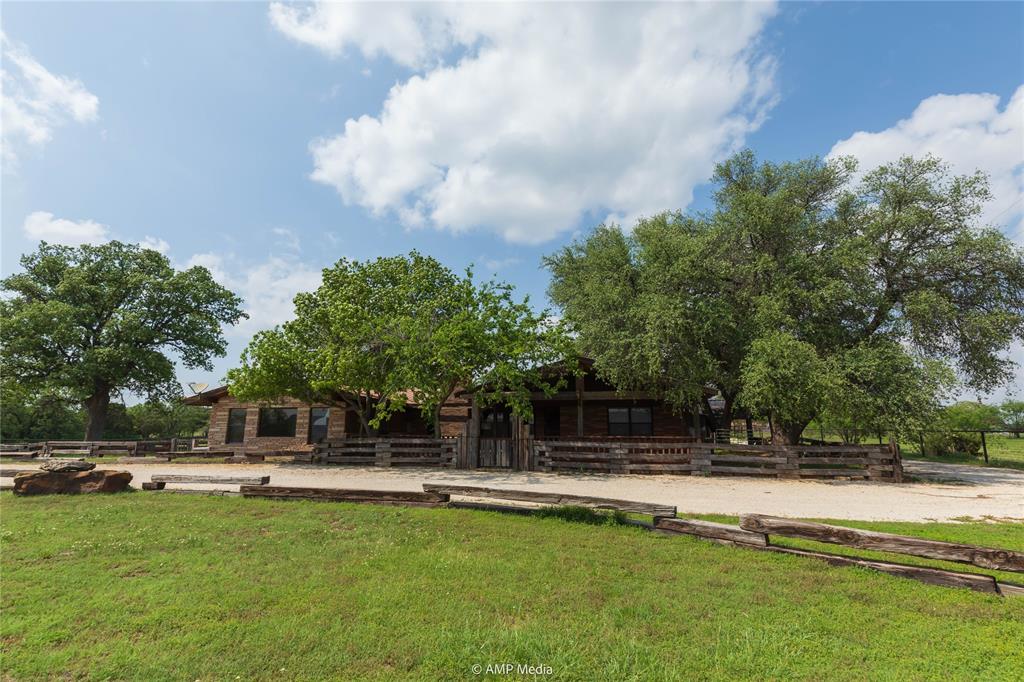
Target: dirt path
954, 491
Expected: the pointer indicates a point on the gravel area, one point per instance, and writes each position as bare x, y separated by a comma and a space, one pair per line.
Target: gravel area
944, 491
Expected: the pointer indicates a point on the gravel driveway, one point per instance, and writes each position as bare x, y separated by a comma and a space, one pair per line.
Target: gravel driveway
947, 491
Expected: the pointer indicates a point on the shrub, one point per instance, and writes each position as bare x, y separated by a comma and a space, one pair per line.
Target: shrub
953, 443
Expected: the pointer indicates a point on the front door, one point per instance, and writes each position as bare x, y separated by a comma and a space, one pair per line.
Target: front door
495, 438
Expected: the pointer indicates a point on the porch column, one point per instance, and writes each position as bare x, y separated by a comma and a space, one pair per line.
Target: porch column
473, 440
579, 406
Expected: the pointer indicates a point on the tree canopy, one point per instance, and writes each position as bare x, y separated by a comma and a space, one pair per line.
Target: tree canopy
378, 333
804, 294
81, 323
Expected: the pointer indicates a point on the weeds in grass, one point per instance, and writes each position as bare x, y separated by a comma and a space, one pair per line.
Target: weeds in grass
577, 514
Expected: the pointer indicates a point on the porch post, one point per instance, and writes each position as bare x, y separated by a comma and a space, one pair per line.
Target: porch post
579, 406
473, 441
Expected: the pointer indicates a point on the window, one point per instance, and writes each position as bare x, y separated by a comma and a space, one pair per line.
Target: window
496, 423
236, 426
630, 421
552, 422
318, 424
277, 421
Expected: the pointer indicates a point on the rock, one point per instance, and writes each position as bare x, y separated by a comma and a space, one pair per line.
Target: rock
71, 482
67, 465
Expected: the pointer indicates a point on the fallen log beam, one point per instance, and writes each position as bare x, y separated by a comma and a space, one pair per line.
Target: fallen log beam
11, 473
984, 557
226, 480
558, 499
711, 530
932, 576
390, 497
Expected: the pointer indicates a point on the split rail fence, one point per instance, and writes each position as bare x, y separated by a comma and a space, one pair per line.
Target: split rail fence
387, 452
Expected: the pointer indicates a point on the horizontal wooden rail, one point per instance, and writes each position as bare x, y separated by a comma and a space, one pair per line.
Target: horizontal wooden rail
552, 498
389, 497
984, 557
226, 480
710, 529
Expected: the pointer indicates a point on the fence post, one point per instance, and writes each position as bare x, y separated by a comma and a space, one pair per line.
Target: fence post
984, 446
897, 460
382, 453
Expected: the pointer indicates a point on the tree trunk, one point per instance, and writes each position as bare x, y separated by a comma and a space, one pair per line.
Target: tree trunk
726, 422
437, 421
96, 414
787, 433
750, 428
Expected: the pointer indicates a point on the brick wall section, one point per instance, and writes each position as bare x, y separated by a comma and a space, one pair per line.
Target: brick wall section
219, 425
453, 415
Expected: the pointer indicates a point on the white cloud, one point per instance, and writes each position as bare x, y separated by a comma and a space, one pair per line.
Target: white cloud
156, 244
46, 227
36, 101
969, 132
267, 287
548, 111
288, 239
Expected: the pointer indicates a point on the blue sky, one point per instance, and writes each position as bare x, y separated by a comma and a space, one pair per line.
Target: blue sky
268, 141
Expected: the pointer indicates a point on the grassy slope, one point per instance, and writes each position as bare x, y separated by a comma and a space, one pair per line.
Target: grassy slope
138, 586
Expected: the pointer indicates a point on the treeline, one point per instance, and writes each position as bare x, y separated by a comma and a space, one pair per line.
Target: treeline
957, 429
43, 417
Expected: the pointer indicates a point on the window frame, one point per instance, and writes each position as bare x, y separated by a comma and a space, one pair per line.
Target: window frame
312, 422
227, 431
631, 426
260, 422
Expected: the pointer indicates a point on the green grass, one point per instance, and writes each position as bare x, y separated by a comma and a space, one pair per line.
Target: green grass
147, 586
1003, 451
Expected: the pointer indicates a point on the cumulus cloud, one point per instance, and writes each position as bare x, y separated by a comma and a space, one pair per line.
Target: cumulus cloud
970, 132
521, 118
267, 287
156, 244
44, 226
35, 101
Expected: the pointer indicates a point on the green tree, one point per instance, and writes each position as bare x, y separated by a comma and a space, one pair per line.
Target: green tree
803, 294
24, 416
377, 331
1012, 413
155, 419
85, 322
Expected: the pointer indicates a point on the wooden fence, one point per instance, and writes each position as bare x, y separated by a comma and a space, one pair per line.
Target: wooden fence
386, 452
101, 448
876, 463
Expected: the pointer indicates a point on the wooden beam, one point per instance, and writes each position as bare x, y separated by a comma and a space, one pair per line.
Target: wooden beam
579, 405
932, 576
228, 480
390, 497
998, 559
709, 529
540, 497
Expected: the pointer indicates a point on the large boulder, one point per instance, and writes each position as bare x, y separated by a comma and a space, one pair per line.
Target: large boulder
59, 465
70, 482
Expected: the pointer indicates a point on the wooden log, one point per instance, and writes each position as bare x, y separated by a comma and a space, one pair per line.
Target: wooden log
152, 485
709, 529
197, 491
390, 497
1010, 589
932, 576
985, 557
484, 506
228, 480
11, 473
142, 460
540, 497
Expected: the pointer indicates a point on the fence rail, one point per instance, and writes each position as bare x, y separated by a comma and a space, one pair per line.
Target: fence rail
387, 452
100, 448
776, 461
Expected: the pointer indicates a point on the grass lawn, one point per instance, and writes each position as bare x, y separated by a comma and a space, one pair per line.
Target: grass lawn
1003, 451
148, 586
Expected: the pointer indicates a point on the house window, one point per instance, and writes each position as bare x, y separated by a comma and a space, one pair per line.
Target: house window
630, 421
496, 423
277, 421
318, 424
236, 425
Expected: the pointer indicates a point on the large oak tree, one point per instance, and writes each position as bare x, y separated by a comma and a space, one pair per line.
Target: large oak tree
378, 333
82, 323
804, 293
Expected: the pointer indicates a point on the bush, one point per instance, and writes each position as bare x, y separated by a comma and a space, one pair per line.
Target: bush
953, 443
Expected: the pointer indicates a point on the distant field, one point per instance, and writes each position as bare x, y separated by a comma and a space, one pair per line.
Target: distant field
1003, 451
150, 586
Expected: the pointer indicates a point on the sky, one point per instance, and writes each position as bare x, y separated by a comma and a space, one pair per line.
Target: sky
266, 141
